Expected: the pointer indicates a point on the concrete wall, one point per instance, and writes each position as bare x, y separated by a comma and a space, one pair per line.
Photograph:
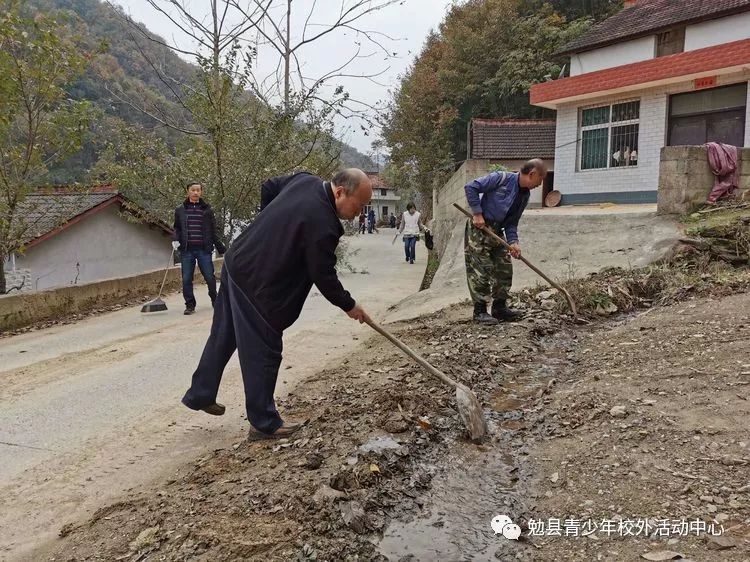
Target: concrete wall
446, 217
637, 184
102, 246
22, 309
716, 32
620, 54
685, 178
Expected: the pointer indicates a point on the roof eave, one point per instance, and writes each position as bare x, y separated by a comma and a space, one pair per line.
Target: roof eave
115, 199
701, 19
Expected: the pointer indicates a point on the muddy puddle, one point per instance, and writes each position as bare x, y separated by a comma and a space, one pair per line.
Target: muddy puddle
475, 486
477, 483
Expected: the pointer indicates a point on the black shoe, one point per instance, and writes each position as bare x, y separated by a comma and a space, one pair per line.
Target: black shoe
189, 311
502, 313
411, 262
481, 316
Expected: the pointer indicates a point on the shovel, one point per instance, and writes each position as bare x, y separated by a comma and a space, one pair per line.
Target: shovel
488, 231
158, 305
469, 408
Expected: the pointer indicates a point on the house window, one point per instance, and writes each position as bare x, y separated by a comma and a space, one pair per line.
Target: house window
670, 42
383, 192
609, 136
715, 115
385, 212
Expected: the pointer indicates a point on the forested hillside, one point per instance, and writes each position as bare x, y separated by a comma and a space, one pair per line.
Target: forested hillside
120, 69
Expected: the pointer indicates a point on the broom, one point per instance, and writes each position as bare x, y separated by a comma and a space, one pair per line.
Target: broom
158, 305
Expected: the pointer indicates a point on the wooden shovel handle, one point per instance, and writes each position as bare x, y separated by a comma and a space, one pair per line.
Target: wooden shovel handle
487, 230
406, 349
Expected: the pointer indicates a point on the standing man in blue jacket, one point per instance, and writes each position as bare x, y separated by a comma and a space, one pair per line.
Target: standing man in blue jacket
497, 200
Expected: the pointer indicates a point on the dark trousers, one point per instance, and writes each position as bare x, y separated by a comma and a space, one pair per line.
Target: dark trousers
238, 325
410, 247
206, 265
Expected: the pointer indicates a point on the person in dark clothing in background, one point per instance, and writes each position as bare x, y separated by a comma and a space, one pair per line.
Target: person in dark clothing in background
371, 221
267, 275
195, 236
362, 222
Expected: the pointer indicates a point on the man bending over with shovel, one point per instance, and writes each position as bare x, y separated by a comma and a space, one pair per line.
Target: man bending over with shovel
497, 200
267, 275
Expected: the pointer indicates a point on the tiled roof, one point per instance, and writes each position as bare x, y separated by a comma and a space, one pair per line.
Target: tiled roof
629, 76
512, 139
647, 17
43, 213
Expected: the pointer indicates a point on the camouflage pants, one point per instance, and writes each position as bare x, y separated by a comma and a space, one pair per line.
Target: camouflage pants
489, 270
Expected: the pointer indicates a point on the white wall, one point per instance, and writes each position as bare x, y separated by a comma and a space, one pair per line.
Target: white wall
613, 55
652, 137
104, 245
716, 32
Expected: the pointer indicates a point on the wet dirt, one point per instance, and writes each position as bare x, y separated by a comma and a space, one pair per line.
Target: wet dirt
384, 472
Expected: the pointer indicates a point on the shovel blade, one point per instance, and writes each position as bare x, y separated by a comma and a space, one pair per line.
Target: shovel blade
471, 413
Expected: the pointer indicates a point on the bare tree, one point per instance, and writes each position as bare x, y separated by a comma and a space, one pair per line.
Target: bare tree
289, 83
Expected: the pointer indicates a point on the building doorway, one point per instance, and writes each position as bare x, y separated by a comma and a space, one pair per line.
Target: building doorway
715, 115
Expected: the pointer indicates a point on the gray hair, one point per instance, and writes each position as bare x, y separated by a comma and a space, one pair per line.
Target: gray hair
535, 164
350, 179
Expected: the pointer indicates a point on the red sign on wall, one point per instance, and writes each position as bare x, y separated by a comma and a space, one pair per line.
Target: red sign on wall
707, 82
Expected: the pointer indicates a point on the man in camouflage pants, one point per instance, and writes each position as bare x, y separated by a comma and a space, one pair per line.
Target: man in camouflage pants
497, 200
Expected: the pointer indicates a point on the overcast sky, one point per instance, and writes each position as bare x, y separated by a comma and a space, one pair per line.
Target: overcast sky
408, 23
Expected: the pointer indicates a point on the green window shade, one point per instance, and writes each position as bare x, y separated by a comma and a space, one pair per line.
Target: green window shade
594, 149
595, 116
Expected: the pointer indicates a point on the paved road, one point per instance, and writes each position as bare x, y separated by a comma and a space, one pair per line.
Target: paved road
91, 410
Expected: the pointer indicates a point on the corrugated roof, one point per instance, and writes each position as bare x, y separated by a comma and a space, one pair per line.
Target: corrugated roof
512, 139
651, 16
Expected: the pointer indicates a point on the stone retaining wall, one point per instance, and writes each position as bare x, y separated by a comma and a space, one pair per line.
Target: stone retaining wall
685, 178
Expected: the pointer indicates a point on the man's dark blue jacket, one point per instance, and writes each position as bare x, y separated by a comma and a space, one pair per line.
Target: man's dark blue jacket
502, 200
290, 245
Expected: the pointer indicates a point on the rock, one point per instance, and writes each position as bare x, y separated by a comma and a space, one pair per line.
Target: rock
721, 543
711, 508
396, 424
618, 412
379, 445
354, 517
313, 461
146, 538
555, 477
546, 295
548, 305
721, 517
325, 493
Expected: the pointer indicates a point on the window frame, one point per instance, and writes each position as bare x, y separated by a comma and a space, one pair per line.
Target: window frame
609, 125
679, 40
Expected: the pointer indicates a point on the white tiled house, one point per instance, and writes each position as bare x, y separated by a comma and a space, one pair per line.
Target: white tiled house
658, 73
384, 201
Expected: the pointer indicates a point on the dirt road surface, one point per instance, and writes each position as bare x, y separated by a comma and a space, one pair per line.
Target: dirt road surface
91, 410
634, 419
